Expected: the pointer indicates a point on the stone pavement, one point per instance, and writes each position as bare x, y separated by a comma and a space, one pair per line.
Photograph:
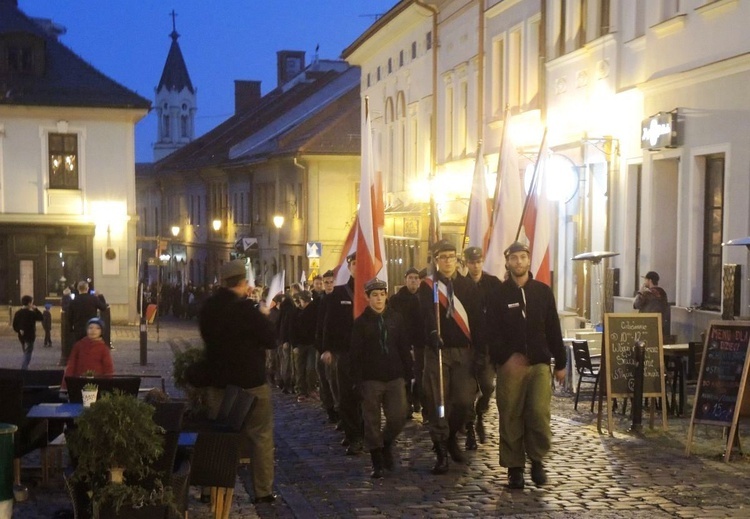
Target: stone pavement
591, 474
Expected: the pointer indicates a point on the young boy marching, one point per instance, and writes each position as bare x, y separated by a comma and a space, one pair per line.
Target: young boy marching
381, 362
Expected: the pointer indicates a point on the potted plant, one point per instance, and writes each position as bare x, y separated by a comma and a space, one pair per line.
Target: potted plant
114, 443
133, 501
88, 394
189, 371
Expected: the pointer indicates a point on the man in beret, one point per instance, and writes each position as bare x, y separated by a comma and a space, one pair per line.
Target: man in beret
487, 283
380, 362
237, 334
525, 335
459, 338
406, 302
337, 339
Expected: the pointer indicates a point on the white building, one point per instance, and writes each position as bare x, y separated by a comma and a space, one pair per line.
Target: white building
67, 180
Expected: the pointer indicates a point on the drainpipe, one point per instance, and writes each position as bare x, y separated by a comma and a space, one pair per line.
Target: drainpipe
305, 198
433, 122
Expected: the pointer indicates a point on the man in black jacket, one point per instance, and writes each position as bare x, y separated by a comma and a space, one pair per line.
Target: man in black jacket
24, 324
337, 338
329, 397
525, 331
406, 302
85, 306
237, 334
380, 361
459, 342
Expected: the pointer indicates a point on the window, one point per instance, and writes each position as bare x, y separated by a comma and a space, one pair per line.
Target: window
377, 75
390, 65
514, 68
713, 224
165, 126
20, 59
639, 27
448, 122
414, 50
184, 126
401, 58
463, 117
499, 75
63, 161
428, 40
580, 37
368, 79
533, 62
561, 27
604, 7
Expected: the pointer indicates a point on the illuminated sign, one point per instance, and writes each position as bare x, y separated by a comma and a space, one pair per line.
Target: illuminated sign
659, 131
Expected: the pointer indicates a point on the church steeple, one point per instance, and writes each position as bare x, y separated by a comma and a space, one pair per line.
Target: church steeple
175, 101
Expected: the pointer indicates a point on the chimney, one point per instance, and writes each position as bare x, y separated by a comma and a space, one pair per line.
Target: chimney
246, 94
289, 63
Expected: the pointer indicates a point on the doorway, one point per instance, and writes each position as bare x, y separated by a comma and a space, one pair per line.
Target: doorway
664, 197
26, 278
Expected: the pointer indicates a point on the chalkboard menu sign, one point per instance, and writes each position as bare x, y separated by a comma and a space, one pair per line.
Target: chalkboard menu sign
622, 331
725, 354
722, 381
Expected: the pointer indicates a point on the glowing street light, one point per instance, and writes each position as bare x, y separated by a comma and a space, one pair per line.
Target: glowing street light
216, 224
278, 221
175, 230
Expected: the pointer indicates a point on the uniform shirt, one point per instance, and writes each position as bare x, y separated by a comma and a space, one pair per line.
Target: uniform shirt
380, 349
337, 324
407, 304
524, 320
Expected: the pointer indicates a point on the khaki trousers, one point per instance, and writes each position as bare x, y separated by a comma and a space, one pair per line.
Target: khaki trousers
391, 398
523, 401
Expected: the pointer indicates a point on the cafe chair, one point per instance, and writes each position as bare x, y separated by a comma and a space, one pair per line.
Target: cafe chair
214, 465
31, 434
227, 402
588, 372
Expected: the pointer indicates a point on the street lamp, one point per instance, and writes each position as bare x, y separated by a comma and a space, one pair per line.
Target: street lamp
175, 231
278, 222
216, 224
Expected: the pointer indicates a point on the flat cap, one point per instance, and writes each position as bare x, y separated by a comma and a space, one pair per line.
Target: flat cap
411, 270
516, 246
233, 268
328, 274
473, 253
305, 295
375, 284
442, 246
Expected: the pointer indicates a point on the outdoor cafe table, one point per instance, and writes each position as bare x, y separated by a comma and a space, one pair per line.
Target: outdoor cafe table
64, 411
679, 354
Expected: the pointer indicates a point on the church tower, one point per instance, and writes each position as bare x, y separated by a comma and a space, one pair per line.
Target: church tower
175, 102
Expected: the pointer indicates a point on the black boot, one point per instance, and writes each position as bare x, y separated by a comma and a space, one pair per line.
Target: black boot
377, 463
515, 477
481, 434
441, 463
388, 455
454, 450
471, 438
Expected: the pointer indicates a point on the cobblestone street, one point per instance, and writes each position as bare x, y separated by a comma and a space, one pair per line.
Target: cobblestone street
591, 474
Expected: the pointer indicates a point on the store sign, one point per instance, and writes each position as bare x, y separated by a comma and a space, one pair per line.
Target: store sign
659, 131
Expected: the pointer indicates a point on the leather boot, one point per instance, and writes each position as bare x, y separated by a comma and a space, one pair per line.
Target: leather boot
377, 463
454, 450
481, 434
388, 455
471, 438
441, 463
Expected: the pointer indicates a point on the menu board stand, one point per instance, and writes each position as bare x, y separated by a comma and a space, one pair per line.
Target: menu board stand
722, 380
621, 332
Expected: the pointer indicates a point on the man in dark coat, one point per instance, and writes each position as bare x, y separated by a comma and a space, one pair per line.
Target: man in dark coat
329, 394
458, 340
487, 283
85, 306
237, 334
24, 324
406, 302
337, 338
381, 362
652, 298
525, 335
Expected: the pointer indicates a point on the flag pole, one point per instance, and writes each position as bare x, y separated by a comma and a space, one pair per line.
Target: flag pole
534, 180
471, 196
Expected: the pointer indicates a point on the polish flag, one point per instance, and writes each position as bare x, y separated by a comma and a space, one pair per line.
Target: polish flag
508, 207
370, 221
478, 225
341, 273
537, 220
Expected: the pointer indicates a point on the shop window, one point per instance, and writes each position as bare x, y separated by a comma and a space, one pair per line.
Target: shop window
63, 161
713, 224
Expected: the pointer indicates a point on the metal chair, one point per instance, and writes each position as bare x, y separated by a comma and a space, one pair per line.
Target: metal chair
587, 371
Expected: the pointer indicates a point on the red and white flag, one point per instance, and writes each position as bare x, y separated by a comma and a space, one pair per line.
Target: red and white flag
478, 226
341, 273
537, 221
370, 221
508, 208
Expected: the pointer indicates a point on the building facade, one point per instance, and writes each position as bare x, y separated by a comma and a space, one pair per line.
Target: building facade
67, 182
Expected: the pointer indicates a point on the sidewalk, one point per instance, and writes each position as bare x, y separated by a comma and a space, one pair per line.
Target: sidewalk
591, 475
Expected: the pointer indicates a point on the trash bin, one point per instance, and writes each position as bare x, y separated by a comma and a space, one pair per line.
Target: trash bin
6, 470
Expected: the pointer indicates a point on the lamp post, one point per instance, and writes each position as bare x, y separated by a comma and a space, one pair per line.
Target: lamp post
216, 224
278, 222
